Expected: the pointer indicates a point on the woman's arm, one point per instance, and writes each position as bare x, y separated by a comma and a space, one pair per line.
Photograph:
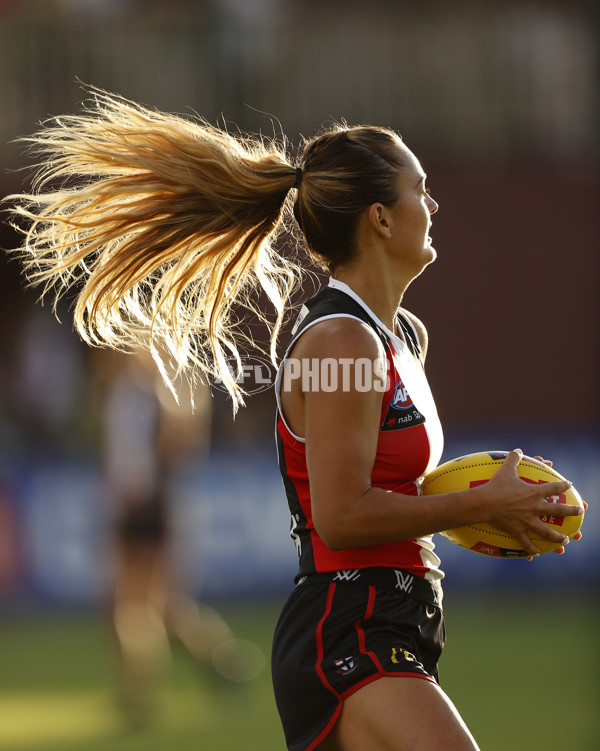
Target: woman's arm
341, 429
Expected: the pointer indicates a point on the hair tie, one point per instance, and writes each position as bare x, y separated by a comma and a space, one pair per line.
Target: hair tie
299, 175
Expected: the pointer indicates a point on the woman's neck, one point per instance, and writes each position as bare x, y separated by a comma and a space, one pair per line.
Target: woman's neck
381, 294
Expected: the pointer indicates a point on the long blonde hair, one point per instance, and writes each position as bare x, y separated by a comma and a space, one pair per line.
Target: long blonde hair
165, 225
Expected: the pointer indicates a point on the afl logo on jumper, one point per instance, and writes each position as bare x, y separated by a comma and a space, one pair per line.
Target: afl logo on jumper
401, 412
401, 398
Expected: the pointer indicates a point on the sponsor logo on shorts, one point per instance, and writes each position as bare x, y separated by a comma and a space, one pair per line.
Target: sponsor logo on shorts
347, 575
404, 581
400, 655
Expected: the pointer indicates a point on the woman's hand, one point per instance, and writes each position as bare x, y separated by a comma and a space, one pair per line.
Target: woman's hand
577, 535
515, 506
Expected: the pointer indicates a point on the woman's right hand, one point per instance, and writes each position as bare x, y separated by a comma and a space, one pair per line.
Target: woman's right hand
515, 506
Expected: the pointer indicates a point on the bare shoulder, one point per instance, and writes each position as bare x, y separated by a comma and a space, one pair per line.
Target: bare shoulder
419, 328
313, 412
339, 337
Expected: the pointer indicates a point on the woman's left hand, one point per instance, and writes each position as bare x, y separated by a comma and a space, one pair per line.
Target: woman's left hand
577, 535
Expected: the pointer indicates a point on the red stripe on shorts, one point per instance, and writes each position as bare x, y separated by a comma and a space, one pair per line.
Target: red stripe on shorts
363, 649
319, 668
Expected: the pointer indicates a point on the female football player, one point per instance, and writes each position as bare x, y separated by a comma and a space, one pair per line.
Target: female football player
164, 226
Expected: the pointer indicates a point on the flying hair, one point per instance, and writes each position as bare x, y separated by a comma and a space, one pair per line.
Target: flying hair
164, 226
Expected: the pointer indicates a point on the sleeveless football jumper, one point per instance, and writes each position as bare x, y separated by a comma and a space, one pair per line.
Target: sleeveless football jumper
361, 613
410, 442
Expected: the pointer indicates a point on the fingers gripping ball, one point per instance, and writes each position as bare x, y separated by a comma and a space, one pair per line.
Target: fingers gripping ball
476, 469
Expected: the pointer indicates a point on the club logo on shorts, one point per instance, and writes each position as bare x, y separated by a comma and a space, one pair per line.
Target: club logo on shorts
346, 665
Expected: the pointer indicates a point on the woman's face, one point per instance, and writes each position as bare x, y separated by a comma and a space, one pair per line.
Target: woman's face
411, 216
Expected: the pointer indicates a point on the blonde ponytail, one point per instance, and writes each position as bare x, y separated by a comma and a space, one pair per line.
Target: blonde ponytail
164, 225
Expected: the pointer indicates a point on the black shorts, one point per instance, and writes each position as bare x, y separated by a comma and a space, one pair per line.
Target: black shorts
343, 630
143, 522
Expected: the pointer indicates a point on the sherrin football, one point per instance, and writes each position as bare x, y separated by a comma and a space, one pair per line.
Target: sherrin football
476, 469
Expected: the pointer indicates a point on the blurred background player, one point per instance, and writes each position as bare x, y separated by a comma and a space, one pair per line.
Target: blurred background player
146, 438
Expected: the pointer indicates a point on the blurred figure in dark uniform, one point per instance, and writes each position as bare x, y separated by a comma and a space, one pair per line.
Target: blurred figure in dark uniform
146, 440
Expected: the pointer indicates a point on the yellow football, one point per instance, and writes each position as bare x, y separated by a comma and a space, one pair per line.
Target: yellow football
476, 469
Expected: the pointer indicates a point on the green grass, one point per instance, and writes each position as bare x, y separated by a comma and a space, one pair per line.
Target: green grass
58, 692
522, 671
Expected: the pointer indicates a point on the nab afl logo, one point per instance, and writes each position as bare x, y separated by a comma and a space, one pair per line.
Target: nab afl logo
401, 398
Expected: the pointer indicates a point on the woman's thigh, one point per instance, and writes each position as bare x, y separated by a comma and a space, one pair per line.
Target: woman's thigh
399, 714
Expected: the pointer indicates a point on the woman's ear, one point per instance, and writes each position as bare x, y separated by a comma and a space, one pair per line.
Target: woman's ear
378, 219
